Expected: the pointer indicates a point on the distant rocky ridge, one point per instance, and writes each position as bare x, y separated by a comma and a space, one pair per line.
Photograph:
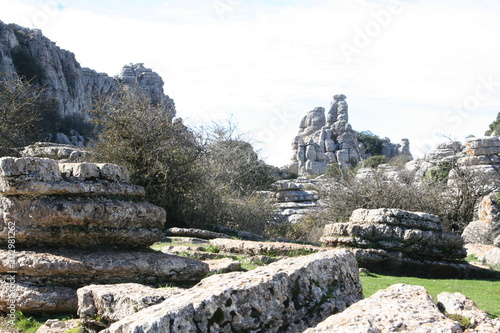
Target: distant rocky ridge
73, 88
326, 139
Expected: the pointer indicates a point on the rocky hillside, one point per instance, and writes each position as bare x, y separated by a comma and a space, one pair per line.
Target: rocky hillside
26, 52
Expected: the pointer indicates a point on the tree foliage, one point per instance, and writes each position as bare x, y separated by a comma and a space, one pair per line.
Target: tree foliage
373, 143
199, 178
494, 126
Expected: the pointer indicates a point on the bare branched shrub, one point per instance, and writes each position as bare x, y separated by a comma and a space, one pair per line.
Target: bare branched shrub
21, 113
199, 179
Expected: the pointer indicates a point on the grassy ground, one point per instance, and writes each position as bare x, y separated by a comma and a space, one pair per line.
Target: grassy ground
486, 294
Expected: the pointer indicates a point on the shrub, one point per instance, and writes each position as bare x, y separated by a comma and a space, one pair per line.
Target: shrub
199, 179
373, 143
21, 114
439, 174
494, 126
374, 161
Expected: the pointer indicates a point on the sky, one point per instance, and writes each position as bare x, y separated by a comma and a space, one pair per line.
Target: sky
417, 69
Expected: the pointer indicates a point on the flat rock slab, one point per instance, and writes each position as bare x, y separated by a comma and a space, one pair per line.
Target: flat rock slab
399, 308
38, 299
75, 268
424, 243
224, 265
111, 303
197, 233
253, 248
286, 296
397, 217
397, 263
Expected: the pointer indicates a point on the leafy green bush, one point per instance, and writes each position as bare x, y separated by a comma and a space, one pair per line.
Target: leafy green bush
199, 179
494, 126
373, 143
440, 174
374, 161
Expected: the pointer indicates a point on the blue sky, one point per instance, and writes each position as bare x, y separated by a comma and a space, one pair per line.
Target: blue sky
410, 69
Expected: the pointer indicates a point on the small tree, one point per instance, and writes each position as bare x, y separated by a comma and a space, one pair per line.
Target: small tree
494, 126
21, 114
160, 153
373, 143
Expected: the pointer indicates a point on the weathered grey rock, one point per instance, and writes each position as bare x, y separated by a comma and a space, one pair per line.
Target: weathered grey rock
326, 140
58, 326
394, 238
492, 257
38, 299
398, 217
72, 87
487, 228
224, 265
286, 296
77, 268
55, 151
192, 232
399, 308
263, 248
111, 303
456, 303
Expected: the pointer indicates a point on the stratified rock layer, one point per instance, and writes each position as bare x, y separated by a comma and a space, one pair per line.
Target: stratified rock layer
73, 224
74, 205
399, 308
286, 296
398, 241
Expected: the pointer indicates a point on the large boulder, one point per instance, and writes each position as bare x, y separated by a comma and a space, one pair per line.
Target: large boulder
414, 233
287, 296
399, 308
486, 229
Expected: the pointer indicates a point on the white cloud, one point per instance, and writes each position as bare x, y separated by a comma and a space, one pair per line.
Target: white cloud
269, 64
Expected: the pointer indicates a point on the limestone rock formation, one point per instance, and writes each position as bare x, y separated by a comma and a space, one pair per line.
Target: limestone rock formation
295, 199
61, 152
458, 304
253, 248
485, 230
399, 308
323, 140
393, 238
72, 224
73, 88
287, 296
111, 303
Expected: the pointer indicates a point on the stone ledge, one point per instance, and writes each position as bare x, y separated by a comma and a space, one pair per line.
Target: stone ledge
289, 295
77, 268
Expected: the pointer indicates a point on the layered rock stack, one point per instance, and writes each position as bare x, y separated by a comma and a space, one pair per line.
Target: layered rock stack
295, 199
398, 241
482, 155
326, 139
66, 225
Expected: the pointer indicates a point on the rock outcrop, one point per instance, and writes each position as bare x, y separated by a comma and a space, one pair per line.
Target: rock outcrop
486, 229
326, 139
295, 199
66, 225
74, 89
287, 296
461, 305
399, 308
399, 241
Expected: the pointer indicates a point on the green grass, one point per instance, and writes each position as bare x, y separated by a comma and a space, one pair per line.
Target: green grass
485, 293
